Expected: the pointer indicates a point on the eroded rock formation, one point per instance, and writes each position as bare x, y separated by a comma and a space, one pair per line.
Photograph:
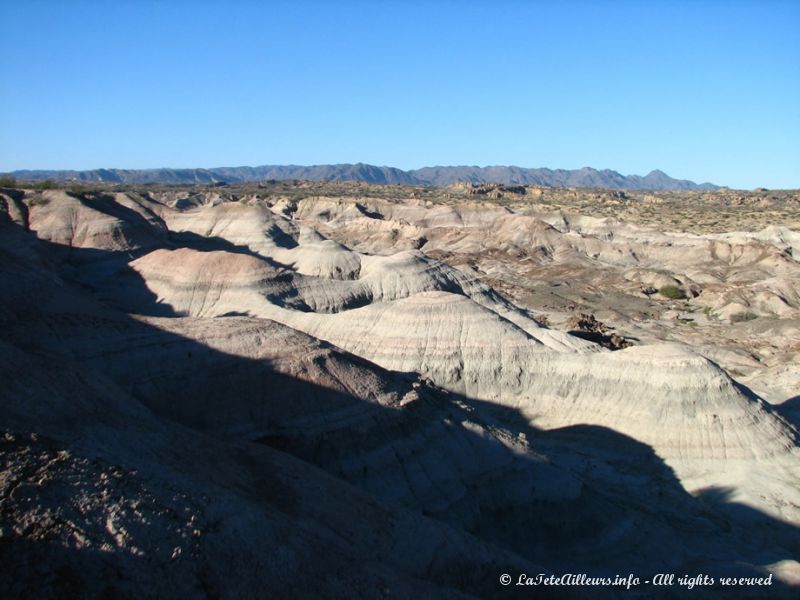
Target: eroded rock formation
218, 388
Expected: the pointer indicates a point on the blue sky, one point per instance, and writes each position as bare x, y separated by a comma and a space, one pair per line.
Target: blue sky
708, 91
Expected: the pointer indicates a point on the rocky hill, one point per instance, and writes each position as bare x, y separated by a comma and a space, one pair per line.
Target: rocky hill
437, 176
213, 392
578, 178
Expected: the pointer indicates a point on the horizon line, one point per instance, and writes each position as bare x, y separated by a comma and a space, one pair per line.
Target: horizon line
341, 164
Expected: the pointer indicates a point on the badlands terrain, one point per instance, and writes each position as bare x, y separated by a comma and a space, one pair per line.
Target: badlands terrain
296, 389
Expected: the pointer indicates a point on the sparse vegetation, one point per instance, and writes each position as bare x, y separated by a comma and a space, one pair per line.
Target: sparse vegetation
673, 292
38, 200
8, 181
743, 317
680, 210
46, 184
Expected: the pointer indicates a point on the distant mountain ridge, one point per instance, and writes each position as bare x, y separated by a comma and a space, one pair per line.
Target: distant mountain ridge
438, 176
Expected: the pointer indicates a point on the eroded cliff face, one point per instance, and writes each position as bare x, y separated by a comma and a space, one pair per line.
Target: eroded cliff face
221, 387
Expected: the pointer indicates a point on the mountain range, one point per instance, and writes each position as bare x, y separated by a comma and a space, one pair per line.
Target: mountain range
438, 176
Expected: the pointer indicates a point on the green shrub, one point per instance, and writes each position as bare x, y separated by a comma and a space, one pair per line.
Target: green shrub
8, 181
743, 316
45, 184
672, 292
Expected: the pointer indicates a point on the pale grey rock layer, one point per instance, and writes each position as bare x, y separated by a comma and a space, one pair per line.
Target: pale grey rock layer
426, 392
431, 319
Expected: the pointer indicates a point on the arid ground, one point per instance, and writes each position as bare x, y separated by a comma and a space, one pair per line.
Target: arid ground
350, 390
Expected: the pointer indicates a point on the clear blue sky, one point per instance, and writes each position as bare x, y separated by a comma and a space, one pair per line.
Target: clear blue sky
708, 91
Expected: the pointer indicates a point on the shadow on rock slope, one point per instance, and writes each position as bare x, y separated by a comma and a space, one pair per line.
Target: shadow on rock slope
137, 448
